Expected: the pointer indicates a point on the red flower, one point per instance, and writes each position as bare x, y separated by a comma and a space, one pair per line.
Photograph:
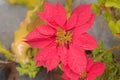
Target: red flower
63, 39
93, 70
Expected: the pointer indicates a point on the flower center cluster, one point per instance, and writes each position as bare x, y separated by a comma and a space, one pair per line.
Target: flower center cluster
83, 75
63, 37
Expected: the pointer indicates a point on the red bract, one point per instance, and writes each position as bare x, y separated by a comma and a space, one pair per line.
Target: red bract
63, 39
93, 70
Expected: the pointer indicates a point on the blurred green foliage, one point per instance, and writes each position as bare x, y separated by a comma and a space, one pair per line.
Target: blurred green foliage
112, 71
22, 52
32, 20
28, 3
5, 52
110, 10
112, 3
28, 69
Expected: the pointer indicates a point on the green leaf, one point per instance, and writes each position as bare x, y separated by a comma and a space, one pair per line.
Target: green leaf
96, 9
28, 69
96, 52
101, 2
112, 3
114, 27
28, 3
6, 52
112, 71
108, 16
68, 8
118, 26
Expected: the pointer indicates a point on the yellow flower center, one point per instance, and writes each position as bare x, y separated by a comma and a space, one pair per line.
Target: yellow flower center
83, 75
63, 37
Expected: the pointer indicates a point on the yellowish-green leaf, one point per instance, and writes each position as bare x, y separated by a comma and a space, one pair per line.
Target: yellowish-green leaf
114, 27
28, 3
112, 3
118, 26
22, 50
12, 1
68, 7
19, 47
108, 16
28, 69
96, 9
6, 52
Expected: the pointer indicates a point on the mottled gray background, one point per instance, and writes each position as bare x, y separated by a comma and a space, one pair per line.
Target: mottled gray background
11, 16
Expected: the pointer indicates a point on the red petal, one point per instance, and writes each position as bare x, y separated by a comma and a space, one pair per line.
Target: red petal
53, 62
54, 15
63, 52
88, 41
49, 57
48, 19
39, 38
82, 8
76, 41
48, 7
60, 15
65, 77
77, 59
46, 30
84, 14
96, 69
83, 28
90, 77
71, 23
48, 14
40, 43
89, 64
69, 73
35, 34
40, 63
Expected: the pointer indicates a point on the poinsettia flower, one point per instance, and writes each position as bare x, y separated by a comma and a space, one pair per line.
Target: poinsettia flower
61, 39
93, 70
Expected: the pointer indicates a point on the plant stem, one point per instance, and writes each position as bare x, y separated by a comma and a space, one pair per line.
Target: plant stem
6, 53
68, 3
107, 51
68, 7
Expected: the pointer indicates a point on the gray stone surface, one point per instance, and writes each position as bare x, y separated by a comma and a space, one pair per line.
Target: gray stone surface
10, 17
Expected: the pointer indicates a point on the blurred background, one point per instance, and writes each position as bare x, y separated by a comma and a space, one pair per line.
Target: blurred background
12, 15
